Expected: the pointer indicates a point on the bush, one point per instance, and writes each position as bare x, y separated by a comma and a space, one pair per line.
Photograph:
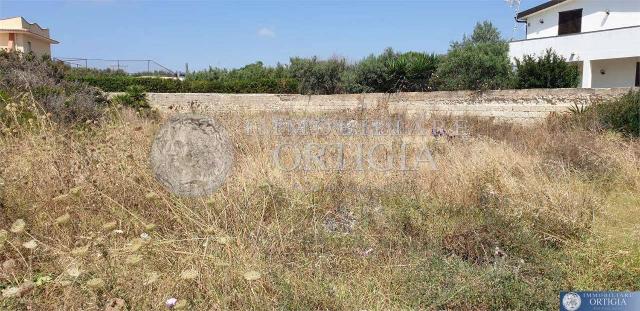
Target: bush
25, 78
167, 85
621, 114
318, 76
134, 97
477, 63
547, 71
391, 72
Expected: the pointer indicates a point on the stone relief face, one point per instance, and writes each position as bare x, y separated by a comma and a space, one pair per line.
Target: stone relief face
192, 155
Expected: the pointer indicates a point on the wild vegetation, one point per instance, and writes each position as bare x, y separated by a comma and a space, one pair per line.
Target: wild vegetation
478, 62
511, 215
547, 71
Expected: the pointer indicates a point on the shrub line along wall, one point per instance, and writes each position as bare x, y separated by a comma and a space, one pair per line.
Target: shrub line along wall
513, 105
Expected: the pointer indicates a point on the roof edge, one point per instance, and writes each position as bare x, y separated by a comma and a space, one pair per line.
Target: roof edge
25, 20
539, 8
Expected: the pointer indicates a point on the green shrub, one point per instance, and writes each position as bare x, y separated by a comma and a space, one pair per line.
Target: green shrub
391, 72
117, 83
621, 114
547, 71
134, 97
318, 76
477, 63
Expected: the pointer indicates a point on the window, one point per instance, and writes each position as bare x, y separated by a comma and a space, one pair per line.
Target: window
638, 74
570, 22
28, 47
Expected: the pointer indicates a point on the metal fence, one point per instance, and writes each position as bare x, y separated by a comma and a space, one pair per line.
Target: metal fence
139, 67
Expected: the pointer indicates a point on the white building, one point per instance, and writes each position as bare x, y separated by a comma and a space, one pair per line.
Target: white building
603, 36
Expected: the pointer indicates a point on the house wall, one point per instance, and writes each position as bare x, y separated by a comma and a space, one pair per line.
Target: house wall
4, 40
618, 72
38, 47
19, 42
623, 13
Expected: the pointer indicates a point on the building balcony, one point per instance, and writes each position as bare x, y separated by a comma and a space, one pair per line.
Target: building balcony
602, 44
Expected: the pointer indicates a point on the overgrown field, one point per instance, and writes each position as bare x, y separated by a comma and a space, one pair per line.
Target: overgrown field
510, 216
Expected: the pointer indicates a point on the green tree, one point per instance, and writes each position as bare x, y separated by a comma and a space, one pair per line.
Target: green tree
476, 63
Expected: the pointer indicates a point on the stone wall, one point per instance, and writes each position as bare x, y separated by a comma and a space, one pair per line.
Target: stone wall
514, 105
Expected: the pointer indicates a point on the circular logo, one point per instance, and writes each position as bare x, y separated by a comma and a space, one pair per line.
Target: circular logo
571, 301
191, 155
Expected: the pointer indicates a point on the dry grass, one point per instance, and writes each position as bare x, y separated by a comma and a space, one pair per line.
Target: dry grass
511, 216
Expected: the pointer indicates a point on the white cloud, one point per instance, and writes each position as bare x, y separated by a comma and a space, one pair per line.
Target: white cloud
266, 32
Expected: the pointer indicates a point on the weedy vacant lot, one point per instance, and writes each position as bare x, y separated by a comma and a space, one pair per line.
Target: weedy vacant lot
511, 216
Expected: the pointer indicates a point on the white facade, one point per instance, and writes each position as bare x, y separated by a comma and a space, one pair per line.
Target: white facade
604, 38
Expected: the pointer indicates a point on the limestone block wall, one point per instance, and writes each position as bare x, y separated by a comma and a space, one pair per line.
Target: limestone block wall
514, 105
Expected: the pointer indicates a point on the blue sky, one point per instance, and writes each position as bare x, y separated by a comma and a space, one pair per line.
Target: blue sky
234, 33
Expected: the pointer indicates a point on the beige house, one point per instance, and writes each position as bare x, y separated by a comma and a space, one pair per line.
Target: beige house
18, 34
